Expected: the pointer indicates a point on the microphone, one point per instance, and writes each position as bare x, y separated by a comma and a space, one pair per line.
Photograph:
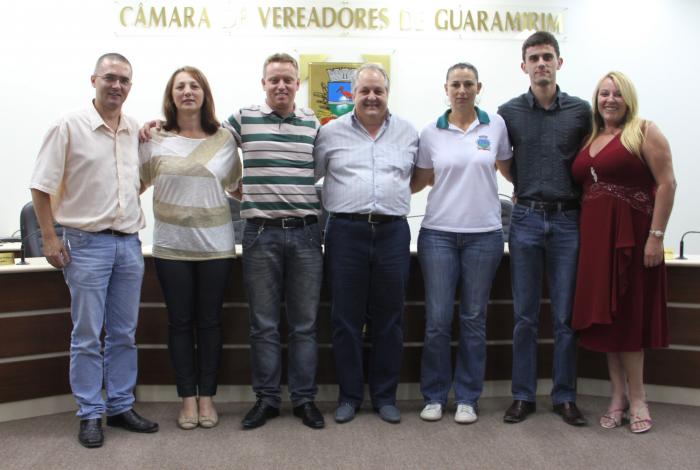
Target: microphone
23, 259
680, 255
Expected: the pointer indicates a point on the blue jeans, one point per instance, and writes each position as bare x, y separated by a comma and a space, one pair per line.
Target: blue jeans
367, 266
283, 264
448, 260
104, 278
543, 240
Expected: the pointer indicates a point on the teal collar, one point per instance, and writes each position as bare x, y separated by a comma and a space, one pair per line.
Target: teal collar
444, 123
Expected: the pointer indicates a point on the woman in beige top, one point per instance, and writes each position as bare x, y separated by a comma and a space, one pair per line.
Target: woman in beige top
191, 163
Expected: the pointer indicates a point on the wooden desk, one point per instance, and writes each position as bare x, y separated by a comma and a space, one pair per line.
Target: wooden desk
11, 247
35, 331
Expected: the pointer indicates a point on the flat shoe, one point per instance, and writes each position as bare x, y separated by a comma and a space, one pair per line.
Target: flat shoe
390, 414
209, 421
345, 413
186, 422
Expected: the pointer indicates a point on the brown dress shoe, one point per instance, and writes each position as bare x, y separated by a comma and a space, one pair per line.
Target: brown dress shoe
570, 413
518, 411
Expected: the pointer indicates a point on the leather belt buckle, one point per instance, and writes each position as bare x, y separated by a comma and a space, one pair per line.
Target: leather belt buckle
291, 222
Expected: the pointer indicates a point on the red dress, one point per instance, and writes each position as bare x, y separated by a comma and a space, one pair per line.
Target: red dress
620, 305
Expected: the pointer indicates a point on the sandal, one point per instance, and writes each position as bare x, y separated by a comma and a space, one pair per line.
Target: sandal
613, 418
639, 425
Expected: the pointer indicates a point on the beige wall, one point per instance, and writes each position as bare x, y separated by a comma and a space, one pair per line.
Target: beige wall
49, 48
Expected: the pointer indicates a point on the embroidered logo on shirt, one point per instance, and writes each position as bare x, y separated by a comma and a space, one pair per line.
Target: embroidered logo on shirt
483, 143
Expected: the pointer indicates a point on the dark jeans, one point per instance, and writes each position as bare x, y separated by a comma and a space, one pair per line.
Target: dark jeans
283, 264
194, 294
368, 267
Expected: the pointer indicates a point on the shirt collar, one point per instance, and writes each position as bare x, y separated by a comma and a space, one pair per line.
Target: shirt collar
532, 102
356, 120
96, 120
266, 109
444, 123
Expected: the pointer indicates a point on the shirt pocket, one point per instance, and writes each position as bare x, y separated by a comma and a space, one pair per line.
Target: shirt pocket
394, 159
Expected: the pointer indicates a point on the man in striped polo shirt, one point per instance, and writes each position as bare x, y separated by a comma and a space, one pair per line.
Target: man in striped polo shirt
282, 258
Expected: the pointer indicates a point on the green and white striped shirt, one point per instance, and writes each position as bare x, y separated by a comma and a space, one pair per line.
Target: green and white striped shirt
278, 165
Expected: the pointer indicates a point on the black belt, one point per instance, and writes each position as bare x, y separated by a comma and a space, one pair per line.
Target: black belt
369, 218
549, 206
116, 233
284, 222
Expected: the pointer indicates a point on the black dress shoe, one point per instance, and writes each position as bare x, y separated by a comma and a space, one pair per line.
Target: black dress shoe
259, 414
131, 421
90, 434
310, 415
570, 413
518, 411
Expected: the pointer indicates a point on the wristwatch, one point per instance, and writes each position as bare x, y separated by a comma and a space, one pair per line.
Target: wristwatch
657, 233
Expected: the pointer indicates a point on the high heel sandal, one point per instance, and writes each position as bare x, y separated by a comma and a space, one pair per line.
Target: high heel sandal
610, 419
640, 425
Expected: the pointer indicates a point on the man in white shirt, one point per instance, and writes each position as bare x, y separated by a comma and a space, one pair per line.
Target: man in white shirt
86, 178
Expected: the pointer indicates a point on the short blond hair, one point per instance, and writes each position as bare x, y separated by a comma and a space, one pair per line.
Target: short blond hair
282, 57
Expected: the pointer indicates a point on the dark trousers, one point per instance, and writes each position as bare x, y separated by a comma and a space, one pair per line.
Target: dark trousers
194, 293
367, 269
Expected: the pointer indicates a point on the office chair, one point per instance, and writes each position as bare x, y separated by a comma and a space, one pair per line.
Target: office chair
30, 232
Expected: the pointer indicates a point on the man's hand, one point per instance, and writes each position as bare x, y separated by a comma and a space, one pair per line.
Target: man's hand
55, 252
145, 131
238, 193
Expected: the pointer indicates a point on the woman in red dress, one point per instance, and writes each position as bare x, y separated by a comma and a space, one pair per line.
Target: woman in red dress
628, 188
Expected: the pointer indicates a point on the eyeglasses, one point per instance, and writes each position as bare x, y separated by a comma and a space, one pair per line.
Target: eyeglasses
110, 78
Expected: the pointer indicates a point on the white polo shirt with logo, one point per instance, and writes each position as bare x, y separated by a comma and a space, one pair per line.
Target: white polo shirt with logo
464, 197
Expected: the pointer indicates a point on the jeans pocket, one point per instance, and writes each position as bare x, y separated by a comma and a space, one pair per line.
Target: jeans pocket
571, 215
312, 234
76, 239
251, 234
519, 213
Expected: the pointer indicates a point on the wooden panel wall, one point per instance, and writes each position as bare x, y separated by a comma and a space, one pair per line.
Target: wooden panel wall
35, 334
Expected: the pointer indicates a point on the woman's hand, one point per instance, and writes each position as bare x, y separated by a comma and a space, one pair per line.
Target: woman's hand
653, 251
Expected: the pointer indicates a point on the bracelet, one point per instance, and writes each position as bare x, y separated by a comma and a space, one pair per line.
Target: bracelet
657, 233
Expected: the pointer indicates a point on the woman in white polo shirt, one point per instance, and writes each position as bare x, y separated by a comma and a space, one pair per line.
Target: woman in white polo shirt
460, 242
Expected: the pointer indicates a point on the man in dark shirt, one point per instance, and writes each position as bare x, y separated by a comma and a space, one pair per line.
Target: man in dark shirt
546, 128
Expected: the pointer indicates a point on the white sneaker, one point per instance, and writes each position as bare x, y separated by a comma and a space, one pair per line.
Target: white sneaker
465, 414
431, 412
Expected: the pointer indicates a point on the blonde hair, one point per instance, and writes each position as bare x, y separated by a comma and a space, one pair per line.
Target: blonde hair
632, 136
